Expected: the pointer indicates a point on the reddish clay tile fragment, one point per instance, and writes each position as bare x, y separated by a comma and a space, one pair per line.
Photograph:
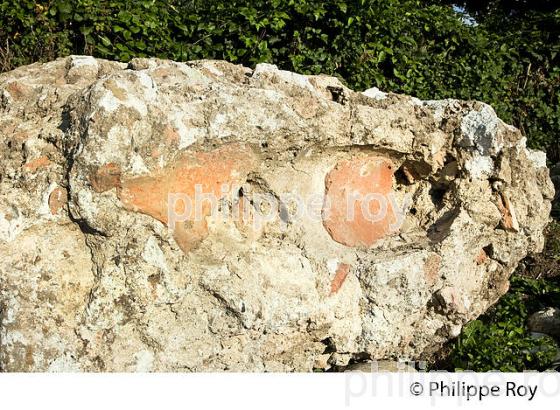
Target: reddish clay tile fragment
358, 209
37, 163
171, 135
211, 173
57, 200
481, 257
509, 219
340, 276
189, 235
106, 177
19, 91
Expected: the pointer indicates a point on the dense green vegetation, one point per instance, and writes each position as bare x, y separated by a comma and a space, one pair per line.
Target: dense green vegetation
505, 53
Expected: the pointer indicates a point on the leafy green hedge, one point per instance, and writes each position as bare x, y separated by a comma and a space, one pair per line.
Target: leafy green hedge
416, 47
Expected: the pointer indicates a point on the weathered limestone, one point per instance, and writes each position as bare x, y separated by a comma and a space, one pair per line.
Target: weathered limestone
546, 321
383, 366
162, 216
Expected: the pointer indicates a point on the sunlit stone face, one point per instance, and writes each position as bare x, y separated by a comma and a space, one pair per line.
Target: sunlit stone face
358, 209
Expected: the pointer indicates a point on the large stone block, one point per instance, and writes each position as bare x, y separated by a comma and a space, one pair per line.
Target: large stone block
163, 216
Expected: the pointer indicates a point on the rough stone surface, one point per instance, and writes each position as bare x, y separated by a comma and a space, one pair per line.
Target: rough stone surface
95, 276
381, 366
546, 321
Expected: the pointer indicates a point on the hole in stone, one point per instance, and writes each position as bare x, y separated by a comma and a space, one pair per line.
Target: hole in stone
337, 94
407, 173
65, 123
329, 345
448, 159
400, 177
437, 194
489, 250
413, 211
434, 303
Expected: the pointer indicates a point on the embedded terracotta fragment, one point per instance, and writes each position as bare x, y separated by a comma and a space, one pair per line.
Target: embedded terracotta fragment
358, 211
57, 200
340, 276
509, 219
18, 90
194, 176
37, 163
481, 257
106, 177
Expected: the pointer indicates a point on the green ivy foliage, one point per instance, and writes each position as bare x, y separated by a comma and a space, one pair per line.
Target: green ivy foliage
117, 30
